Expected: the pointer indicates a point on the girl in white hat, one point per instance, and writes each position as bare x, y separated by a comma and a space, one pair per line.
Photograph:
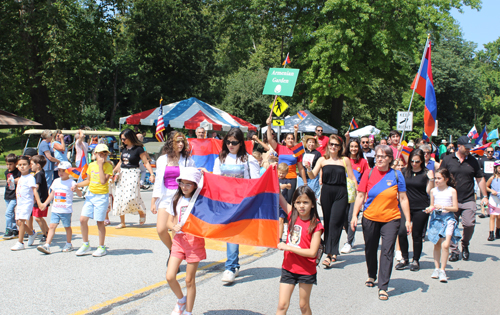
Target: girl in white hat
184, 246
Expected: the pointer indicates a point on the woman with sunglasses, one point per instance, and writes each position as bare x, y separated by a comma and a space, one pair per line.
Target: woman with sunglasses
285, 155
419, 182
234, 161
384, 190
175, 155
127, 197
334, 199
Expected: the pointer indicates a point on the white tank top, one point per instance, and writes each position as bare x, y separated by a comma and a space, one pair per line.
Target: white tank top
443, 197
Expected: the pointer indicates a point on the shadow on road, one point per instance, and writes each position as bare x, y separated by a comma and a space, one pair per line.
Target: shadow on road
230, 312
402, 286
458, 274
253, 274
481, 257
119, 252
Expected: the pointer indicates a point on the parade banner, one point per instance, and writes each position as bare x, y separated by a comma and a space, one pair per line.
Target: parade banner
205, 151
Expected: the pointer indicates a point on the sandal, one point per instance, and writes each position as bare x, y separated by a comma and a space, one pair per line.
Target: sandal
142, 220
370, 282
382, 295
333, 259
327, 262
120, 226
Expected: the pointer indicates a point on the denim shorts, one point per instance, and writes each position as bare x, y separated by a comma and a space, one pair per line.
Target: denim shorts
95, 206
65, 218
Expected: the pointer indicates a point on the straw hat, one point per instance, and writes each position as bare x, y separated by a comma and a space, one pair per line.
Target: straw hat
305, 138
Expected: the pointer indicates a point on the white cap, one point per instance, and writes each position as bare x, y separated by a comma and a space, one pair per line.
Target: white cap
189, 173
64, 165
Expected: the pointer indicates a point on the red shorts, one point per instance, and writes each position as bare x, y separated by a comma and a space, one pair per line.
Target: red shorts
37, 213
189, 248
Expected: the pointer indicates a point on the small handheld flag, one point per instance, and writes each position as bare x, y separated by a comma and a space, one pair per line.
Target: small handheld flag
473, 133
480, 150
287, 60
298, 150
406, 151
481, 139
160, 127
353, 124
492, 135
301, 114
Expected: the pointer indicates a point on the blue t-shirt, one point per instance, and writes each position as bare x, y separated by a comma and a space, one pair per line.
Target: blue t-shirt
59, 155
45, 146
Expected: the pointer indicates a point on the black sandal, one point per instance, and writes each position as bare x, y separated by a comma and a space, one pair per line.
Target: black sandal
382, 295
370, 282
327, 262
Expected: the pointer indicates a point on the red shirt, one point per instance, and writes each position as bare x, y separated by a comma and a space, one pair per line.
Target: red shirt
323, 144
285, 155
300, 238
358, 168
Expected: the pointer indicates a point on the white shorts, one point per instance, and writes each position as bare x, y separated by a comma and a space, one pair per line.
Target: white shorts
23, 213
166, 200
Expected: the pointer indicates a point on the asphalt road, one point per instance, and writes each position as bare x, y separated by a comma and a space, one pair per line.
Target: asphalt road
131, 278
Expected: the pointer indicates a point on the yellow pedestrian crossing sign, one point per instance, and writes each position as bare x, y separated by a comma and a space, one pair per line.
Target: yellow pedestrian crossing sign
278, 122
279, 107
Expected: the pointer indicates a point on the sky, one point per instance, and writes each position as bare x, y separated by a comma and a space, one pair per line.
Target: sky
481, 26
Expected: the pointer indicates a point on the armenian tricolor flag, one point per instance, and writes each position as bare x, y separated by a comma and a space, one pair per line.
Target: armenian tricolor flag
406, 150
80, 171
298, 150
235, 210
287, 60
425, 88
205, 151
353, 124
480, 150
301, 114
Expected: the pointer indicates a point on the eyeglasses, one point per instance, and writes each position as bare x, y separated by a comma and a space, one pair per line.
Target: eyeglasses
381, 157
184, 185
233, 143
427, 152
334, 144
415, 161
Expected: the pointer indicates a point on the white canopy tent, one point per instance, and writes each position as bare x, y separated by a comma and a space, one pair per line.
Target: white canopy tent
365, 131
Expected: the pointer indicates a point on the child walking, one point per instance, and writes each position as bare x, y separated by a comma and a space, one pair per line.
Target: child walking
184, 246
301, 248
96, 200
493, 187
12, 175
62, 208
443, 227
25, 192
41, 193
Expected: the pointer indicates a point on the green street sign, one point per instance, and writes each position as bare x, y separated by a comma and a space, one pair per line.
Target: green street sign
281, 81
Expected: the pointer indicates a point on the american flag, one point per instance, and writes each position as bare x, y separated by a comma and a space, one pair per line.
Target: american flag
160, 127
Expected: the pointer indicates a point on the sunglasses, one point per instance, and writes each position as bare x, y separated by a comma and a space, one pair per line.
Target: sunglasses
415, 162
427, 152
319, 130
489, 151
123, 139
364, 142
233, 143
188, 185
334, 144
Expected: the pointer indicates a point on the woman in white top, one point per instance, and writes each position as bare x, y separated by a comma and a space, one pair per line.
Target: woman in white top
234, 161
175, 156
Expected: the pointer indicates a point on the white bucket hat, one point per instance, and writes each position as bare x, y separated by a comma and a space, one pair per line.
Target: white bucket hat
189, 173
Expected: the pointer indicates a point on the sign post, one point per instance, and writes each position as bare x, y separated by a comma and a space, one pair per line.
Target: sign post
405, 121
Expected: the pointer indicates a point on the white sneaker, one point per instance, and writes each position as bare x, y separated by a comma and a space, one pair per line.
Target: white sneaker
68, 247
44, 248
18, 246
31, 238
399, 255
228, 276
346, 249
435, 274
84, 250
101, 251
442, 276
237, 272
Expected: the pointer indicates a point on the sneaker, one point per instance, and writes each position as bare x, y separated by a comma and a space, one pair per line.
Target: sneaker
18, 246
101, 251
16, 233
442, 276
402, 265
44, 249
435, 274
228, 276
346, 249
9, 234
43, 239
179, 308
83, 250
415, 266
399, 255
67, 248
31, 238
236, 272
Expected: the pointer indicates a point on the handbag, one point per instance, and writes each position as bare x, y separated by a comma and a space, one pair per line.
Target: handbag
351, 186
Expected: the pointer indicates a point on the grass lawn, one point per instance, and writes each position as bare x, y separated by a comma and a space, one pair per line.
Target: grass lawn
11, 143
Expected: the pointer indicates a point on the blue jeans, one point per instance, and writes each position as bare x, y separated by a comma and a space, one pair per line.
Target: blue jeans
49, 177
314, 185
232, 262
10, 215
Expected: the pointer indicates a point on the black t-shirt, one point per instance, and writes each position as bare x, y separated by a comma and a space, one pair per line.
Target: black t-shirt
131, 158
416, 185
317, 155
464, 174
10, 194
481, 165
43, 190
284, 192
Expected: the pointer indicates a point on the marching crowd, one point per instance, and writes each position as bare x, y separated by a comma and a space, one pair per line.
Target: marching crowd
423, 194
